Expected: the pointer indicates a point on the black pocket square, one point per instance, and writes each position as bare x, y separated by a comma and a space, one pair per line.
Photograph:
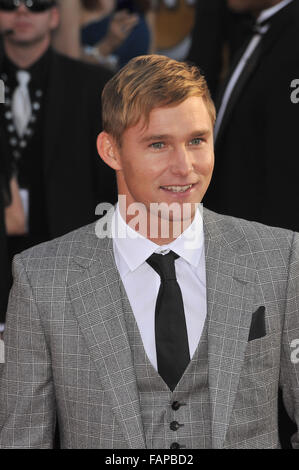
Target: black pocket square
258, 324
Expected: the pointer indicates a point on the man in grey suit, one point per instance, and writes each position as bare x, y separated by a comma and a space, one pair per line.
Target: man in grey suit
162, 325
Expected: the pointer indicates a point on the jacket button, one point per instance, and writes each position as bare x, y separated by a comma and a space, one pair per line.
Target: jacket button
176, 405
174, 425
175, 445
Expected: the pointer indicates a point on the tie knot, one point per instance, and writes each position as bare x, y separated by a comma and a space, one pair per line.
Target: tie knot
260, 28
23, 77
164, 265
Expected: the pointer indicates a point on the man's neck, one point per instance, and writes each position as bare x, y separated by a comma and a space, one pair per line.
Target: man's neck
25, 56
156, 229
168, 232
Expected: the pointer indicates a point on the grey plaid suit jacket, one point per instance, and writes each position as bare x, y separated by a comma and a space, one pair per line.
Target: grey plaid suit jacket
67, 350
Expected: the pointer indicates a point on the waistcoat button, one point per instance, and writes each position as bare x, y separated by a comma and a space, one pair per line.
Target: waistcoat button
176, 405
175, 445
174, 425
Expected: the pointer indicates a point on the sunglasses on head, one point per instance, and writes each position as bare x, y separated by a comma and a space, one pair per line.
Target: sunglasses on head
35, 6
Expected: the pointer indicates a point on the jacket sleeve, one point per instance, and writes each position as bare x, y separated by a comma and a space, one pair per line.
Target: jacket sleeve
289, 373
27, 403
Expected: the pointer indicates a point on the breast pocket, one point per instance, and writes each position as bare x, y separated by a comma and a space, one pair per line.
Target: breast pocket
262, 360
260, 345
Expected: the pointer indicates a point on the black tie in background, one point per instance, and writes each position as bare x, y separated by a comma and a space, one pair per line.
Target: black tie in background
170, 325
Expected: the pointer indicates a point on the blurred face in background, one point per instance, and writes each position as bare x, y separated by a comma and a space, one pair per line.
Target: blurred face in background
28, 27
252, 6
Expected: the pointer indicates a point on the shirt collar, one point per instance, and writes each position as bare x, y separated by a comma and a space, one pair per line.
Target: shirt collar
134, 249
269, 12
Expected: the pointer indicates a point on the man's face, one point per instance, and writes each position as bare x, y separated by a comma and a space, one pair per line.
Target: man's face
252, 6
171, 159
28, 28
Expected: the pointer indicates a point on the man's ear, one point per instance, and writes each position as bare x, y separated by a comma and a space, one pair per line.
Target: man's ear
108, 150
55, 18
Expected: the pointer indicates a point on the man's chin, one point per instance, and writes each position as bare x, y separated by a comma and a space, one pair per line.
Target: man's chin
25, 40
173, 212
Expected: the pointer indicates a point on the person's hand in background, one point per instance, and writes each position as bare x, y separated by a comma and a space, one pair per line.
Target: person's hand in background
120, 27
15, 220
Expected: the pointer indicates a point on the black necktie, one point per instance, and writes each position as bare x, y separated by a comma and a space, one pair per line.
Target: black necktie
170, 325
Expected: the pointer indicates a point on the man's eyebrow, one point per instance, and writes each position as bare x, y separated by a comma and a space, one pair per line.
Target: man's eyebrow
200, 133
149, 138
160, 137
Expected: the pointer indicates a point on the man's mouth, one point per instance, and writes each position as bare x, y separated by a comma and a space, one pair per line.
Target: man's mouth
177, 189
22, 24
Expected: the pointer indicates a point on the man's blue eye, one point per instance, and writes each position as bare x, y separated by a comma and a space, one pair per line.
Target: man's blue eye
157, 145
196, 141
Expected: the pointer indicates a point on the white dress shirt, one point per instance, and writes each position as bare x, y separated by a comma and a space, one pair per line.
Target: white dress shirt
142, 283
264, 16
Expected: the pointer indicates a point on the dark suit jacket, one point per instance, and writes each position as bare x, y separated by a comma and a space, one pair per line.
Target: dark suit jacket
4, 278
5, 175
216, 25
75, 177
257, 166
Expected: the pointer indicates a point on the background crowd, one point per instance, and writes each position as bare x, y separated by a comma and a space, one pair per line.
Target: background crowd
55, 62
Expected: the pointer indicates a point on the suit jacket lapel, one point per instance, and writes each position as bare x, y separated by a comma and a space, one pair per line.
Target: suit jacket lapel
231, 277
96, 297
282, 20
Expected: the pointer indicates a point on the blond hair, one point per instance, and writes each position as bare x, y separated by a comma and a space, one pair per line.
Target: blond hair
148, 82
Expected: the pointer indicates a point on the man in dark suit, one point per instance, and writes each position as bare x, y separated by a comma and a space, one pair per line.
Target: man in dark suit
217, 34
171, 329
256, 165
3, 261
50, 121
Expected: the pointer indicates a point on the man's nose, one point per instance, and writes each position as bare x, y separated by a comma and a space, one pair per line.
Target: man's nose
22, 8
182, 161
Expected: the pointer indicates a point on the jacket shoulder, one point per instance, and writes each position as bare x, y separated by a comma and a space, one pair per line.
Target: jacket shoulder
254, 233
80, 68
60, 250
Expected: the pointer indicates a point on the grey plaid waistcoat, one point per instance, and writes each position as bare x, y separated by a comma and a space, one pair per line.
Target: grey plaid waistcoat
158, 416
